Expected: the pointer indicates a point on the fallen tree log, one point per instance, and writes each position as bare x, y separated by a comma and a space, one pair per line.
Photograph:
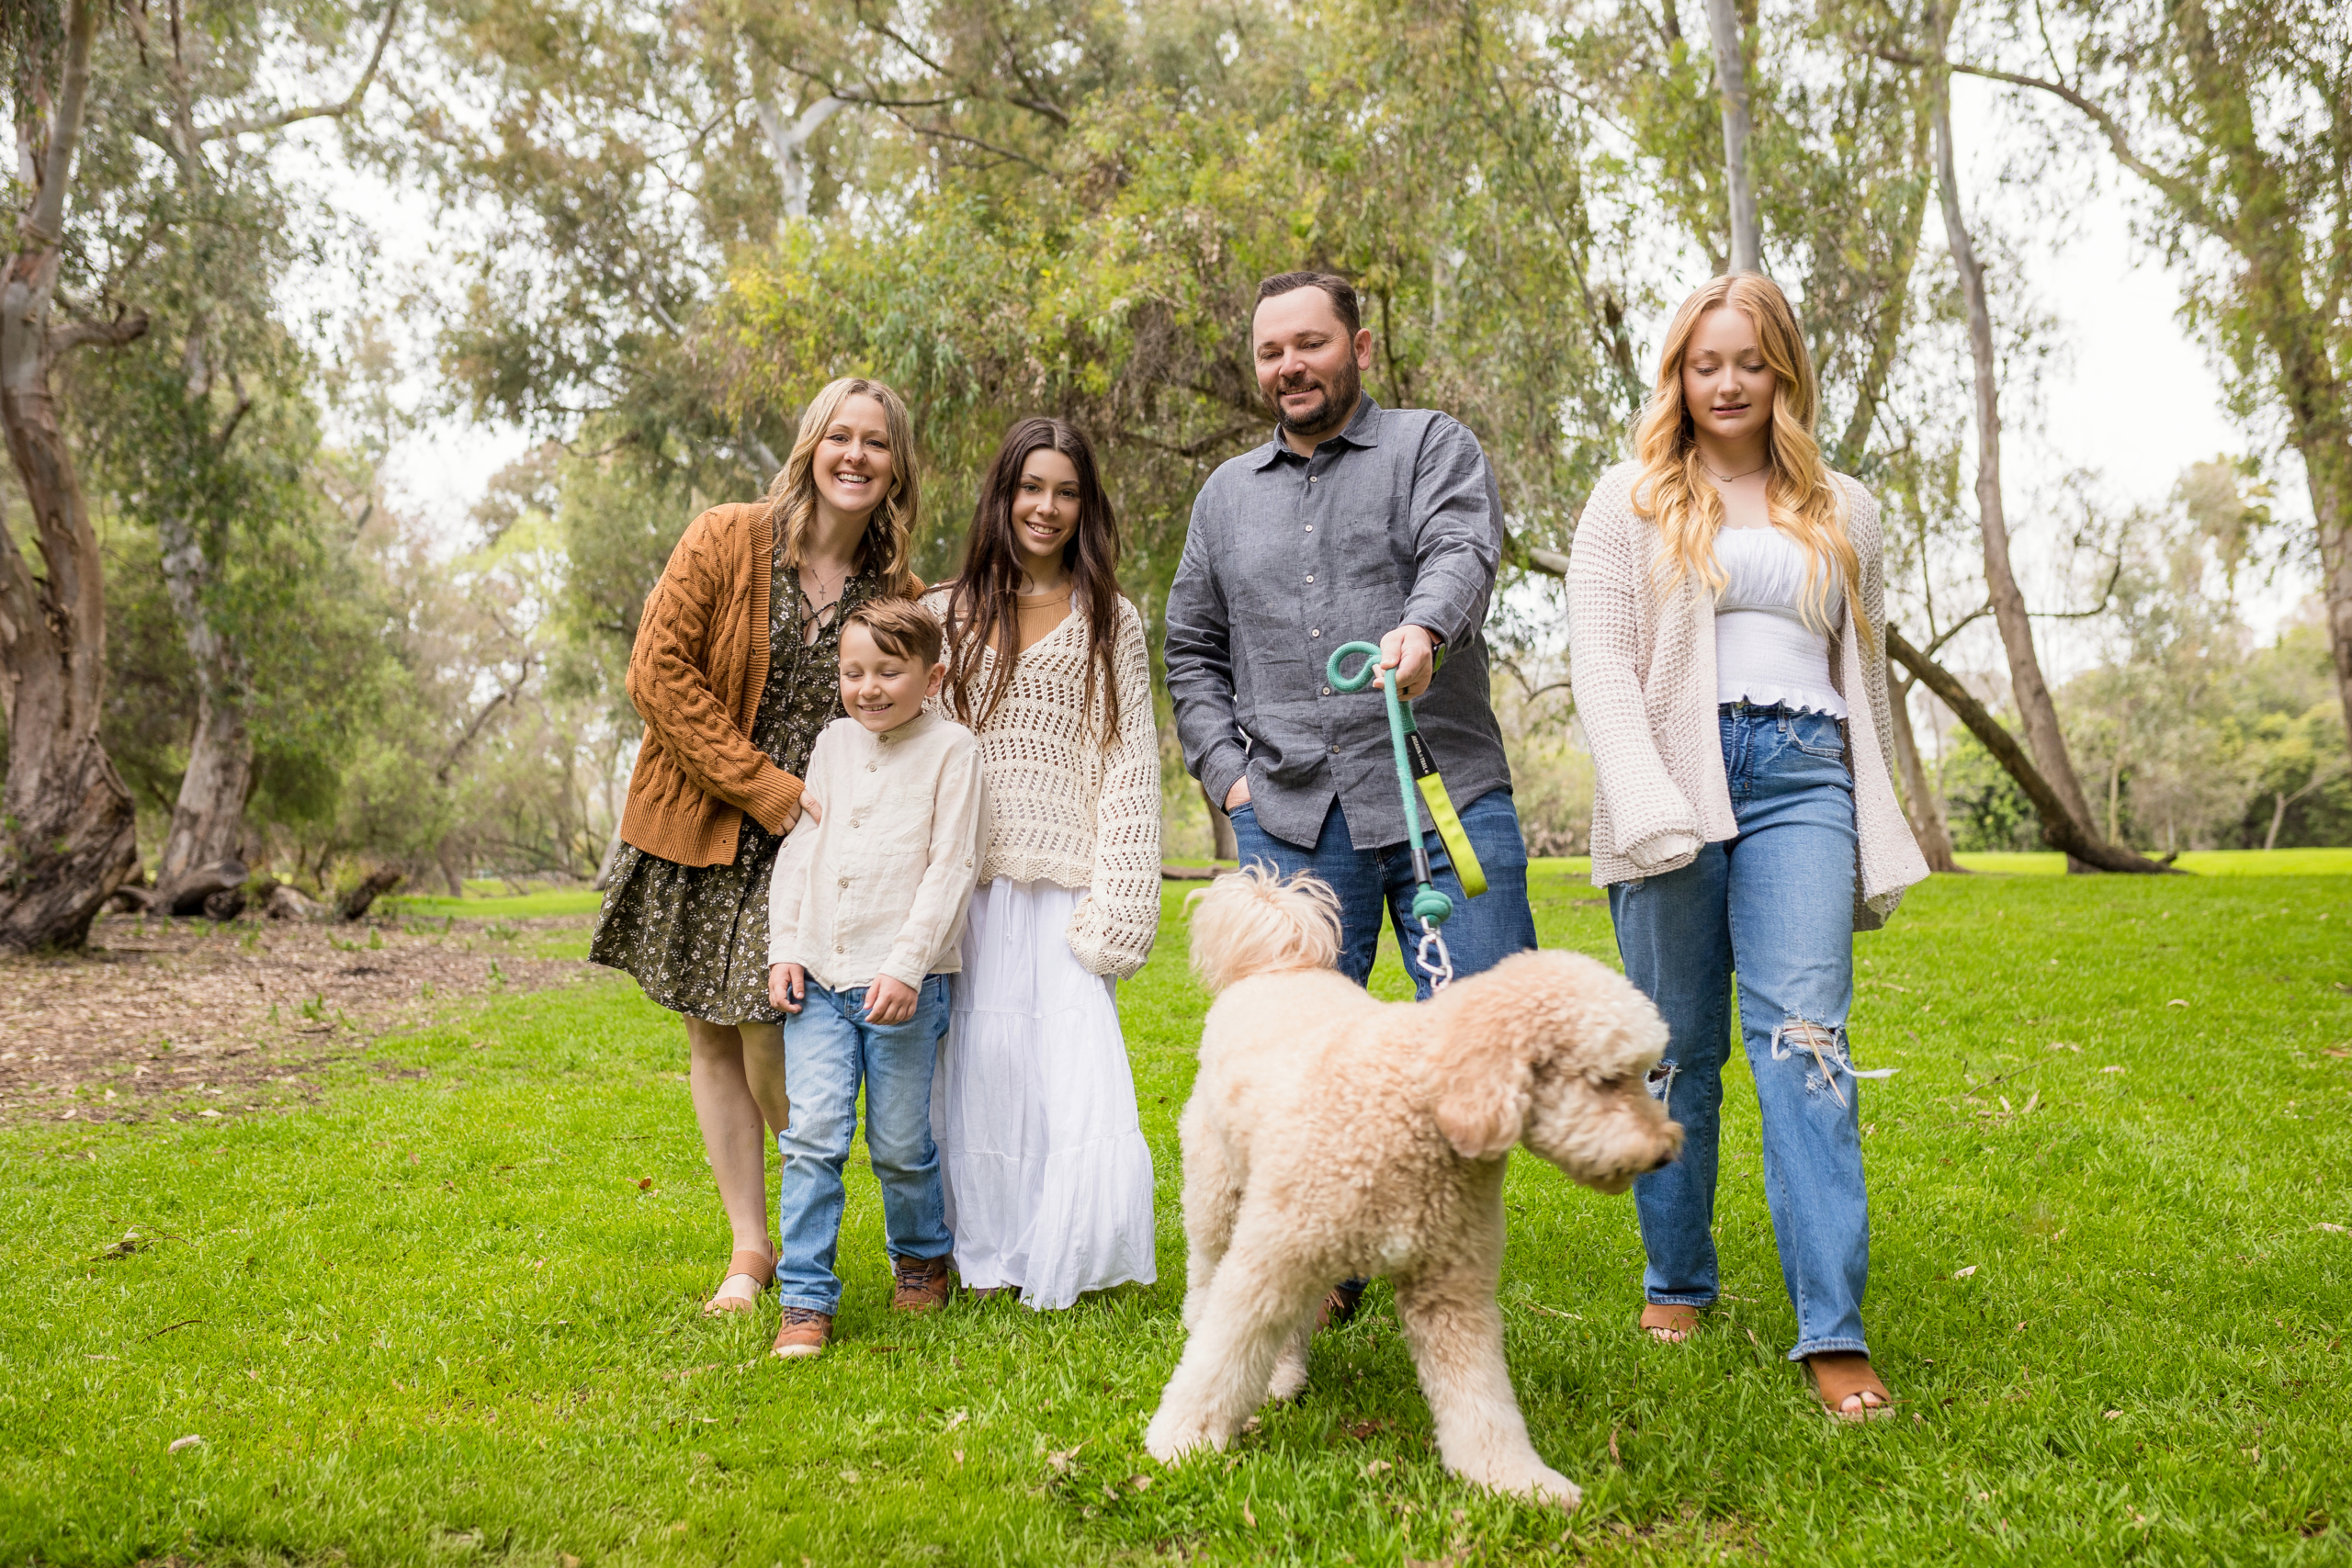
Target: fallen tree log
378, 883
2059, 830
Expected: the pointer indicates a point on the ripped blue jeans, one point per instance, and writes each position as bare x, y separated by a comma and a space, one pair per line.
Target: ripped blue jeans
1775, 906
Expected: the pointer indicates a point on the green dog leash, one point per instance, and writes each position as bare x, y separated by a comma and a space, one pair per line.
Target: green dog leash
1418, 782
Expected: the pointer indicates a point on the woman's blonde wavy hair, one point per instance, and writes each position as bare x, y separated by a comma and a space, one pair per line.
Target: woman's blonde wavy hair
890, 533
1802, 500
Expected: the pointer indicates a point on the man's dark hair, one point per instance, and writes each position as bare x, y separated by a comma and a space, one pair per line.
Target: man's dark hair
1341, 292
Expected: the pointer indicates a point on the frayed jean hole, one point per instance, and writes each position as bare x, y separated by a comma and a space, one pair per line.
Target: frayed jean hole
1660, 1081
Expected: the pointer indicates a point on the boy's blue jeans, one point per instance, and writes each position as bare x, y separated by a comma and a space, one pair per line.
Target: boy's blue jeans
1775, 906
1373, 885
828, 1047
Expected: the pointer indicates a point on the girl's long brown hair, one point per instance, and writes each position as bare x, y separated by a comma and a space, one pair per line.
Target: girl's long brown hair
888, 538
1800, 496
983, 607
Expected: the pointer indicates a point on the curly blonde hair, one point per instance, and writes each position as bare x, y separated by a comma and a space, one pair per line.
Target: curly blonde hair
890, 533
1800, 495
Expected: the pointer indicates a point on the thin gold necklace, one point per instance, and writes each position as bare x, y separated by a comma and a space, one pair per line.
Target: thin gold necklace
1726, 479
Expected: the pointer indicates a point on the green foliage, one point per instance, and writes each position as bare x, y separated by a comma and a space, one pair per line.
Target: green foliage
439, 1315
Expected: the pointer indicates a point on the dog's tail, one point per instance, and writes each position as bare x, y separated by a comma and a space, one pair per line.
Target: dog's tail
1255, 921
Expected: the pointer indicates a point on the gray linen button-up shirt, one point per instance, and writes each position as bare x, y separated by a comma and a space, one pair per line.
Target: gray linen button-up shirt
1395, 520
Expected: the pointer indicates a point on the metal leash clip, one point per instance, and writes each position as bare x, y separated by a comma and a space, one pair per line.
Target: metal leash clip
1440, 971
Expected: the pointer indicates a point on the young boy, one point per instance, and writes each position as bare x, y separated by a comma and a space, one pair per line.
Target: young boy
866, 916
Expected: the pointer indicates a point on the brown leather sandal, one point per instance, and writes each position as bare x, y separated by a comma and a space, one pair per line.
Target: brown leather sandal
1840, 1375
756, 1268
1669, 1323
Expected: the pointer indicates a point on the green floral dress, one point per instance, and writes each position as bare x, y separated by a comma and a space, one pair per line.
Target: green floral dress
697, 936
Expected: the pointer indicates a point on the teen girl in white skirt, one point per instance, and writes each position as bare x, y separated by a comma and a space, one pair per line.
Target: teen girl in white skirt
1048, 1179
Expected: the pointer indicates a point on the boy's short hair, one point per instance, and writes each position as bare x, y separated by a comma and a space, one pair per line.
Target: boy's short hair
899, 627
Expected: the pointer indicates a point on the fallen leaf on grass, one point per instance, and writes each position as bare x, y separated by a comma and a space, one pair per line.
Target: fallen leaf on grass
131, 1242
2323, 1225
1140, 1482
1613, 1456
176, 1444
2065, 1046
569, 1561
1376, 1466
2032, 1101
2177, 1002
645, 1184
2110, 1069
2115, 1415
1965, 1273
1059, 1462
1247, 1517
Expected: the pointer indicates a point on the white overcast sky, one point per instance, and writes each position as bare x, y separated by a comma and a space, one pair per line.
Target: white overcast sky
2133, 396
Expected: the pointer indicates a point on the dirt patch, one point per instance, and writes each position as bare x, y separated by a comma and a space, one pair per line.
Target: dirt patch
190, 1019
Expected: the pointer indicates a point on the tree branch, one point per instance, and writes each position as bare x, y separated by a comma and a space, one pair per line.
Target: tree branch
114, 333
45, 225
314, 111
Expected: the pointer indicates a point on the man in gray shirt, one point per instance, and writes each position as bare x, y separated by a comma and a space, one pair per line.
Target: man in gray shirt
1353, 522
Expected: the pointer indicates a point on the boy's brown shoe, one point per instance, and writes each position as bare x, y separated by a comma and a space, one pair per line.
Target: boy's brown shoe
803, 1333
924, 1283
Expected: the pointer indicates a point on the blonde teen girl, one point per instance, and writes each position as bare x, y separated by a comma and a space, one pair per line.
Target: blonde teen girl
734, 674
1048, 1177
1724, 597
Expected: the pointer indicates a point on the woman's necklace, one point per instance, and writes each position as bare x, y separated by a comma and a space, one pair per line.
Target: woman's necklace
1726, 479
829, 592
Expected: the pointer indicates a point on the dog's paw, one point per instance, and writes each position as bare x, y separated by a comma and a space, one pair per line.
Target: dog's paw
1546, 1485
1171, 1436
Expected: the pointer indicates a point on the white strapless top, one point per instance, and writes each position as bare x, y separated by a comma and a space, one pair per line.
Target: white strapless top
1764, 651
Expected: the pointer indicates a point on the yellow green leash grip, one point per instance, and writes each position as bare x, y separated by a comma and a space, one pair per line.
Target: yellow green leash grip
1443, 816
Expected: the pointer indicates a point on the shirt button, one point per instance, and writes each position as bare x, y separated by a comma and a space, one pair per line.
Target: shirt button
844, 881
1317, 632
1310, 577
1310, 479
1335, 750
837, 947
1327, 692
869, 767
1310, 527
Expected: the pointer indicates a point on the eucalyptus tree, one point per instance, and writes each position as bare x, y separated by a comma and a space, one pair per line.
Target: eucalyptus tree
150, 207
2235, 117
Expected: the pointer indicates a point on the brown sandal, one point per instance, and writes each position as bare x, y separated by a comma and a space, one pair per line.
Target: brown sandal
1669, 1323
756, 1267
1840, 1375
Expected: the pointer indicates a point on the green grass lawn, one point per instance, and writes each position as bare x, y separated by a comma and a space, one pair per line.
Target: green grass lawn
452, 1317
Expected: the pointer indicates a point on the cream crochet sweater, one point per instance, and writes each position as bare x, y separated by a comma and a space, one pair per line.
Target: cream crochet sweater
1643, 666
1064, 808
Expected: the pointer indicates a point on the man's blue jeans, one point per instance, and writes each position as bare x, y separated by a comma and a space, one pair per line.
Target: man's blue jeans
828, 1047
1373, 885
1775, 906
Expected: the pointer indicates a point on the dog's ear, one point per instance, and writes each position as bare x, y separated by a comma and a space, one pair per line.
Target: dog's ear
1483, 1075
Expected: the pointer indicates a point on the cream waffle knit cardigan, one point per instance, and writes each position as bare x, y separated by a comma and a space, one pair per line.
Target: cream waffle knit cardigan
1063, 806
1643, 667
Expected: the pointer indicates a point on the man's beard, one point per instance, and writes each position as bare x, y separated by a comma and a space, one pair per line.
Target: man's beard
1339, 402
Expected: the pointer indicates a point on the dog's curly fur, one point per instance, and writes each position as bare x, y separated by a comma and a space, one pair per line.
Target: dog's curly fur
1329, 1135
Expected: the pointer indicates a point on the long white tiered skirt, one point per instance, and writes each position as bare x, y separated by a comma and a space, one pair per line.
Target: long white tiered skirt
1048, 1176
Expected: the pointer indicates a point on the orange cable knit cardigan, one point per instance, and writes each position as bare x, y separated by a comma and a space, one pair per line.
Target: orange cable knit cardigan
694, 676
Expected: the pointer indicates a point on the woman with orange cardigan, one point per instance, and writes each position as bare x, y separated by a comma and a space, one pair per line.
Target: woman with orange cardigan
734, 674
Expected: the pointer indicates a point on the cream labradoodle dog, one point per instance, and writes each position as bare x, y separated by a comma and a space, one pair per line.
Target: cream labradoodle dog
1329, 1135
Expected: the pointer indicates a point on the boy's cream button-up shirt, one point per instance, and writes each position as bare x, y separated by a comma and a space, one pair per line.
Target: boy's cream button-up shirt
881, 884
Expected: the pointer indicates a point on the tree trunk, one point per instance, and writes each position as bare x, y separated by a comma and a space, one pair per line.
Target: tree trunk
207, 819
1923, 805
2059, 831
1222, 843
2031, 692
1731, 80
2327, 469
68, 832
